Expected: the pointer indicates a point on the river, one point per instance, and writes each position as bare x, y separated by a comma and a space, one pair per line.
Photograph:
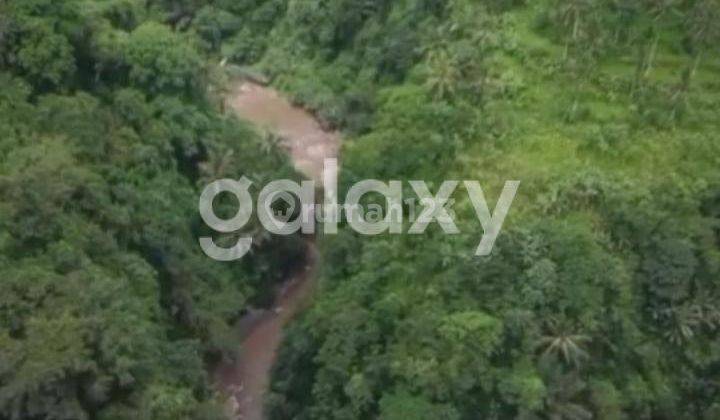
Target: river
246, 379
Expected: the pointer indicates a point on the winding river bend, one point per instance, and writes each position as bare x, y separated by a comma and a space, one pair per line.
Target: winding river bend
248, 377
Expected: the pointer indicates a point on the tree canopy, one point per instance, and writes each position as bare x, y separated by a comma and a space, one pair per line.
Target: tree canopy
598, 301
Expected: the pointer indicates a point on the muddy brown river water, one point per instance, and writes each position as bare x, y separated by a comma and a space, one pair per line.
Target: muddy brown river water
246, 379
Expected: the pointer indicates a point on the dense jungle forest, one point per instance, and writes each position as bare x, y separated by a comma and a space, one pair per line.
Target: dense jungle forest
600, 300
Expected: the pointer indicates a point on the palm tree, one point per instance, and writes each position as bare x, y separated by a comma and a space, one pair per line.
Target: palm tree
563, 343
683, 326
270, 142
444, 74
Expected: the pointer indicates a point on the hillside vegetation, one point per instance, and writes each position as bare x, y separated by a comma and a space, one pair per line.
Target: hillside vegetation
600, 299
108, 307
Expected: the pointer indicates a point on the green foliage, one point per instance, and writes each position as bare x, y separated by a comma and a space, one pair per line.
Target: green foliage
400, 406
213, 24
108, 308
45, 56
162, 61
600, 298
596, 302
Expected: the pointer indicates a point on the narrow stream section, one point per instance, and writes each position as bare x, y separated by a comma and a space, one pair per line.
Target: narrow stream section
246, 380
